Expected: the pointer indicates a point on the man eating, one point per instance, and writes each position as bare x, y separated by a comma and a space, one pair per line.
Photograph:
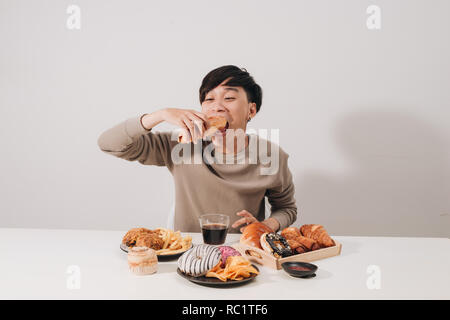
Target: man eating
234, 186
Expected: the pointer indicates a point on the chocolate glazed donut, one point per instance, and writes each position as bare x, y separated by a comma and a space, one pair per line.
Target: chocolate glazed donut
275, 244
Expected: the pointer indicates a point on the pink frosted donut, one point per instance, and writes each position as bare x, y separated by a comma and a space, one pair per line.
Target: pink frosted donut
227, 252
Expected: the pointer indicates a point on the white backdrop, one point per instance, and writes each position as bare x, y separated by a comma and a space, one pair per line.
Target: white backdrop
364, 114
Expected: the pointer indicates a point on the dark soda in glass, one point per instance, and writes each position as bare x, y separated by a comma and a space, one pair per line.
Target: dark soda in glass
214, 233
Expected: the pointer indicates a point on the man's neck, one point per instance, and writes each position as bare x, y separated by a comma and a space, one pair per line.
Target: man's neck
236, 147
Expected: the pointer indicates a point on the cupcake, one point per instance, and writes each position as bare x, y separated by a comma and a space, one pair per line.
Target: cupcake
142, 260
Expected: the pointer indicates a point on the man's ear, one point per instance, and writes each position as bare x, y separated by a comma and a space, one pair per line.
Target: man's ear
252, 111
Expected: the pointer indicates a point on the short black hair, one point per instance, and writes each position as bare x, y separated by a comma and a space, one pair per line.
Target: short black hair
239, 78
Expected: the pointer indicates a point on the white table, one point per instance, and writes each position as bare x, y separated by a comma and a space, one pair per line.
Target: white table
34, 265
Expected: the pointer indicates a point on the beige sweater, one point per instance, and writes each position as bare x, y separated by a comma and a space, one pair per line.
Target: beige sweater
207, 186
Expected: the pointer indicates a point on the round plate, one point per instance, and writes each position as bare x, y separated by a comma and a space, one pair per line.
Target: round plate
215, 282
161, 257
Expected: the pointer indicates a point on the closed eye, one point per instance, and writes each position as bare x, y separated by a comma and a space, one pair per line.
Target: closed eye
227, 98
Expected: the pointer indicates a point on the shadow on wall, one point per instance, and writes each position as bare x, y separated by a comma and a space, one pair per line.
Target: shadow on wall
397, 183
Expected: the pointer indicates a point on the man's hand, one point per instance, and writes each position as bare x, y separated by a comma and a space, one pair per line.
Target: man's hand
249, 218
192, 122
187, 120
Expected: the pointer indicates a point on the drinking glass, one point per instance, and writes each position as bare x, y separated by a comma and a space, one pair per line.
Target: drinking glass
214, 228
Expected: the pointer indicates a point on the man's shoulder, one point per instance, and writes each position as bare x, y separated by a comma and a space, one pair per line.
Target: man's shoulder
268, 145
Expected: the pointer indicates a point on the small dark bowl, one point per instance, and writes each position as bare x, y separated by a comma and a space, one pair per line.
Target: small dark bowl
287, 266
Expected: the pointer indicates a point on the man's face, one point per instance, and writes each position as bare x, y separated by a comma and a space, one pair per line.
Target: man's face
230, 103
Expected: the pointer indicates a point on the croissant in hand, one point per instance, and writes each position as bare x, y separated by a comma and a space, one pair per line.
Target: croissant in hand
318, 233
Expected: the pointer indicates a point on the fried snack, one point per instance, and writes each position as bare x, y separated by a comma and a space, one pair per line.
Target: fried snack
236, 268
173, 242
214, 124
150, 240
302, 244
318, 233
294, 245
163, 241
290, 233
132, 235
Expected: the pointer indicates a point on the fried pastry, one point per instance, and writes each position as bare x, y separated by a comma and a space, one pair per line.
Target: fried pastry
150, 240
290, 233
131, 236
318, 233
302, 244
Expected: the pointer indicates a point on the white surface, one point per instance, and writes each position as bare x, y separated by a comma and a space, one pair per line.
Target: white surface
34, 264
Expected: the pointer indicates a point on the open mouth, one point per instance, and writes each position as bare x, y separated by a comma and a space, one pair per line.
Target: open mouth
216, 125
224, 129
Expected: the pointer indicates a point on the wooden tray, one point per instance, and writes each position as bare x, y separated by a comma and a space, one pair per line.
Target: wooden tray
263, 258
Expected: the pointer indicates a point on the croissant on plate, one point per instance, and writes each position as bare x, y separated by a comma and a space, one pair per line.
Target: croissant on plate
318, 233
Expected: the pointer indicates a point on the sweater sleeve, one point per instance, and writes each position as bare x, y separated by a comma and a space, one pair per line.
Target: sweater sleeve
281, 197
129, 140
